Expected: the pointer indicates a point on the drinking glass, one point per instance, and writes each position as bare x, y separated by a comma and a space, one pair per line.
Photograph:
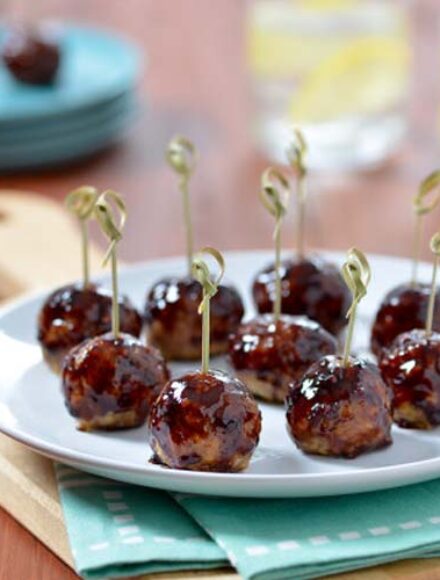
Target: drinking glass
338, 69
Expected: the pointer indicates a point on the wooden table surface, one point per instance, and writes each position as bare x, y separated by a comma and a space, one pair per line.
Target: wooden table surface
195, 82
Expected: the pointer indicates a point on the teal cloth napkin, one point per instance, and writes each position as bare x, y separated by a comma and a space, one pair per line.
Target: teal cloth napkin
309, 538
120, 530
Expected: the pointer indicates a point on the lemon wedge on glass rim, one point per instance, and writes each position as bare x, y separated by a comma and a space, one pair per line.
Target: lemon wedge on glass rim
365, 76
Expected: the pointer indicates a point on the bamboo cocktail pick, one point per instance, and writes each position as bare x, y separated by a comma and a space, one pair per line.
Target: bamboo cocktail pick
296, 154
182, 156
435, 248
357, 274
274, 195
81, 202
107, 203
428, 185
201, 273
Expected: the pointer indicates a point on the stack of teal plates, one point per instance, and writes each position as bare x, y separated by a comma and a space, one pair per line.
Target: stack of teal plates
88, 108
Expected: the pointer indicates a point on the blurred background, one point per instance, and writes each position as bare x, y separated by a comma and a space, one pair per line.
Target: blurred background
359, 76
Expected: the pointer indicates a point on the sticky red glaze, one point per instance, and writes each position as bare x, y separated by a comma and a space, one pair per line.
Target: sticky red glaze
340, 411
73, 313
105, 375
32, 55
175, 325
403, 309
205, 422
279, 352
411, 367
311, 287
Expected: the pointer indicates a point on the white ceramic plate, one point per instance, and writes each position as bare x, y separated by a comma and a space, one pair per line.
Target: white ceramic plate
32, 410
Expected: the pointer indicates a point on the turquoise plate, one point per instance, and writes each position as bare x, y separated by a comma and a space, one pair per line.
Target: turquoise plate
67, 148
96, 66
27, 135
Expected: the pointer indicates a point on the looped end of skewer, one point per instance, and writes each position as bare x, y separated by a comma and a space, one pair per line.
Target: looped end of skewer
435, 248
435, 244
274, 194
201, 272
428, 185
110, 223
81, 201
181, 155
357, 274
297, 152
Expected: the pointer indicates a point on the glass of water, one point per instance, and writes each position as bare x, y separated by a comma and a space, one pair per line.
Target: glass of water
338, 69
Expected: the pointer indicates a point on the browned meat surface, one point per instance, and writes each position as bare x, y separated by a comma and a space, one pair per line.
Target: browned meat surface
205, 422
411, 367
267, 356
311, 287
403, 309
111, 383
175, 325
340, 411
73, 313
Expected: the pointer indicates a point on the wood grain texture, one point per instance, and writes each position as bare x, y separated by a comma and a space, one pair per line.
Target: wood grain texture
28, 491
41, 245
23, 557
195, 82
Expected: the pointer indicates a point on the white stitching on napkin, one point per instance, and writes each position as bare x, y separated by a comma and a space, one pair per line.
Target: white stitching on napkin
319, 540
410, 525
112, 494
125, 531
288, 545
383, 531
117, 506
123, 519
257, 551
349, 536
101, 546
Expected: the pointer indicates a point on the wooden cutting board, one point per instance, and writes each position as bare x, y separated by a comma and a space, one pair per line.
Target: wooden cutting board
40, 248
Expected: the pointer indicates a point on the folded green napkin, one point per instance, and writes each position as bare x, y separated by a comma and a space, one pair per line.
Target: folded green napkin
120, 530
309, 538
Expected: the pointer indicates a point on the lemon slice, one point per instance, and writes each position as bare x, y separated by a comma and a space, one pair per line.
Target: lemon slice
280, 39
367, 75
280, 55
323, 5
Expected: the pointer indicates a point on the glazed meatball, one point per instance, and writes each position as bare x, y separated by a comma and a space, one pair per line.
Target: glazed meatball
411, 367
204, 422
175, 325
73, 313
403, 308
268, 356
311, 287
32, 55
111, 383
340, 411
